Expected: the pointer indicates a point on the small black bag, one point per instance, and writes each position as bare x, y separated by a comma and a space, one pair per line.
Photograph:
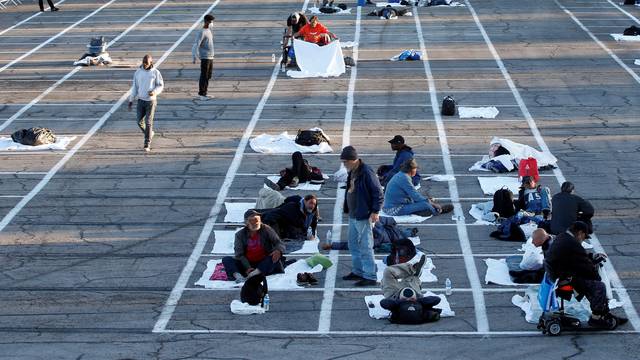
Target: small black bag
448, 106
503, 203
402, 251
631, 31
348, 61
254, 290
310, 137
629, 2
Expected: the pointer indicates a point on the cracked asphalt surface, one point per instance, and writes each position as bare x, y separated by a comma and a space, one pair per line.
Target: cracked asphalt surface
87, 265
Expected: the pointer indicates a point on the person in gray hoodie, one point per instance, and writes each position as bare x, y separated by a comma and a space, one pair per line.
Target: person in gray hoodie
147, 85
203, 48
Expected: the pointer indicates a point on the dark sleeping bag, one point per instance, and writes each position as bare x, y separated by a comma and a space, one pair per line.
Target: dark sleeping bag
520, 276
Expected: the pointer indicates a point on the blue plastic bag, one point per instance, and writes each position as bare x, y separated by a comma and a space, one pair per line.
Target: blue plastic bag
547, 295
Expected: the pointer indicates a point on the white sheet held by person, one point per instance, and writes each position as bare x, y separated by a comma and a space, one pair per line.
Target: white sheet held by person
320, 54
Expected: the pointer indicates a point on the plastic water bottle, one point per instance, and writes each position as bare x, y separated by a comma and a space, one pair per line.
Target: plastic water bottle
309, 233
328, 238
266, 302
447, 286
273, 58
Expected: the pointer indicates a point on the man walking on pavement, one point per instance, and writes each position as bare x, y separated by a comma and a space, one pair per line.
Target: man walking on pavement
53, 8
203, 48
147, 85
363, 201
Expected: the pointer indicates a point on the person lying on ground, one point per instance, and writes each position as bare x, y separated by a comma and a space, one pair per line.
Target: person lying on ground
533, 205
315, 32
568, 261
299, 172
258, 250
389, 12
568, 208
296, 219
385, 232
402, 198
403, 153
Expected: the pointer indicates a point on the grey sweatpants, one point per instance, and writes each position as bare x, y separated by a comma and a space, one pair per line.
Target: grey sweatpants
398, 277
145, 112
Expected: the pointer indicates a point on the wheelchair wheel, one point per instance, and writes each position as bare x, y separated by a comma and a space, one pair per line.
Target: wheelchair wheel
554, 328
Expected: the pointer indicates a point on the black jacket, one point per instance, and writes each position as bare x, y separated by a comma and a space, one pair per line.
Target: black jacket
566, 207
567, 258
288, 219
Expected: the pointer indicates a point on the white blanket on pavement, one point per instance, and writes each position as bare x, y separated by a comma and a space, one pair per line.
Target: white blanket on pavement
636, 62
235, 211
491, 184
465, 112
425, 276
318, 61
517, 152
7, 144
407, 219
284, 144
239, 308
621, 37
286, 281
377, 312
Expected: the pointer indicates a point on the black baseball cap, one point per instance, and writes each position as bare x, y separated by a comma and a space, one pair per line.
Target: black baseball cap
251, 212
397, 140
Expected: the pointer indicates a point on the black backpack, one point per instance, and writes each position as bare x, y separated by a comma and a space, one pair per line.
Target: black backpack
631, 31
254, 290
448, 106
310, 137
34, 136
97, 46
503, 203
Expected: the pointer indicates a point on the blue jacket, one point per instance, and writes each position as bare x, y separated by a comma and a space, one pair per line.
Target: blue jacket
400, 191
368, 192
536, 202
402, 155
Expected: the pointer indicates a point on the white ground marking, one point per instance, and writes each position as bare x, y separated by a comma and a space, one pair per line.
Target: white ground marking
26, 20
482, 322
613, 275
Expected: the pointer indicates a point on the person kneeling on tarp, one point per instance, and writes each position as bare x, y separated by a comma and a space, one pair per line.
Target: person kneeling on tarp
401, 287
315, 32
258, 250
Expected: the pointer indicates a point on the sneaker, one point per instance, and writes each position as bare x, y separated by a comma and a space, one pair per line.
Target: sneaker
270, 184
366, 282
602, 322
55, 9
446, 208
238, 278
294, 182
147, 148
619, 319
254, 273
203, 98
352, 276
311, 279
424, 213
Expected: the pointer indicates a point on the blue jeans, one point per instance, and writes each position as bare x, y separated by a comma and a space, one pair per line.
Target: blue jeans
518, 219
412, 208
361, 247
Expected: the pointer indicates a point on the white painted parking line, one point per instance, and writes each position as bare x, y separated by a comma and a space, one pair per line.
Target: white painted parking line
75, 70
45, 43
379, 333
480, 309
613, 275
26, 20
11, 196
628, 14
176, 293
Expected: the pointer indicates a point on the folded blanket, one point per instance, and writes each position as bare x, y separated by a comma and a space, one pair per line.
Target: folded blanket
236, 210
466, 112
621, 37
497, 272
407, 219
318, 61
284, 144
517, 152
6, 144
286, 281
491, 184
305, 186
377, 312
240, 308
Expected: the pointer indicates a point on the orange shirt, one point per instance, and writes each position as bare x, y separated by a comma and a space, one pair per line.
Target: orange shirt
312, 34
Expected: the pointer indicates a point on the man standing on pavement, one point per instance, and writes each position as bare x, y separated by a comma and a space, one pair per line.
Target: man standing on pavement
363, 201
147, 85
203, 48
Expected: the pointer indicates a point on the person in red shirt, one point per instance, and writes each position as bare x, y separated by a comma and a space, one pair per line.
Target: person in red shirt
258, 250
315, 32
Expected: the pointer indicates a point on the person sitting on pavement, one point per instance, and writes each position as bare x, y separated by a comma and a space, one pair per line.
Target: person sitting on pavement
533, 205
258, 250
295, 219
529, 267
299, 172
403, 153
568, 261
402, 287
314, 32
540, 238
401, 197
568, 208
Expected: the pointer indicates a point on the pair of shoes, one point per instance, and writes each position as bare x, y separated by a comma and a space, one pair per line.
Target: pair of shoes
204, 97
306, 279
446, 208
238, 278
366, 282
603, 321
497, 234
270, 184
352, 276
414, 232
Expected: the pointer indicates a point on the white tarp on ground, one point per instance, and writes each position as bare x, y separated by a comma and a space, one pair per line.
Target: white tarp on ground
286, 281
441, 178
465, 112
621, 37
491, 184
518, 152
235, 211
305, 186
377, 312
102, 59
317, 61
407, 219
284, 144
224, 241
316, 11
636, 61
239, 308
6, 144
